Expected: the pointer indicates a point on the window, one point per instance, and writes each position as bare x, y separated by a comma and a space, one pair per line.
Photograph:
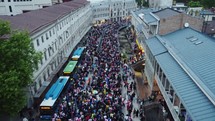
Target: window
10, 8
49, 51
47, 37
42, 39
48, 72
52, 67
45, 55
38, 43
44, 77
53, 31
8, 0
35, 87
55, 45
41, 61
50, 33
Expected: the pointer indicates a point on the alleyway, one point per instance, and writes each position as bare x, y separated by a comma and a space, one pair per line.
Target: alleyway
126, 48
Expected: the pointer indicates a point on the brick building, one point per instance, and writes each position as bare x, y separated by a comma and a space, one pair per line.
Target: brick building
151, 22
172, 20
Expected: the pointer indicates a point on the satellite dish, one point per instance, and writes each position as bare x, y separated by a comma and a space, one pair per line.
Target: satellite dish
186, 25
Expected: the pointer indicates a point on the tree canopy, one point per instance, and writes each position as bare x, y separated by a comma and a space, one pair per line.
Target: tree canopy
208, 3
199, 3
18, 61
194, 4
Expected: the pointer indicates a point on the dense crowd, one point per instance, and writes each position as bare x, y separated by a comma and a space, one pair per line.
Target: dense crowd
94, 93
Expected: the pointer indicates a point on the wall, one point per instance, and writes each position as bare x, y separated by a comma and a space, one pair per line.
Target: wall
194, 22
160, 3
174, 23
113, 9
170, 24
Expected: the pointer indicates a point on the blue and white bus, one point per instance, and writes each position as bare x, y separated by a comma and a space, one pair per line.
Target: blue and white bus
47, 106
78, 52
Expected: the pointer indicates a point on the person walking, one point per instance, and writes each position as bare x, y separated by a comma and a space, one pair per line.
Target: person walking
137, 113
134, 113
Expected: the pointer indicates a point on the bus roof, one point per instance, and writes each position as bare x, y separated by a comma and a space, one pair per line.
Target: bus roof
78, 52
70, 67
53, 93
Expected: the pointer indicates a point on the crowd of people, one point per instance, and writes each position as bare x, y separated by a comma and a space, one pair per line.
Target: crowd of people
95, 91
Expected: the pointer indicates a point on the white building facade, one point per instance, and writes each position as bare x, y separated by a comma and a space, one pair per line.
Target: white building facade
67, 33
56, 40
114, 10
160, 3
14, 7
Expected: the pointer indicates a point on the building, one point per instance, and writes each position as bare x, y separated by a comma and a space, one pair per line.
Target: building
171, 20
209, 28
114, 10
209, 22
158, 4
57, 1
150, 22
194, 11
180, 7
182, 65
101, 11
14, 7
55, 31
208, 15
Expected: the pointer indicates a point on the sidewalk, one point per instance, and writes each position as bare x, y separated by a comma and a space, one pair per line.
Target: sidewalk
134, 102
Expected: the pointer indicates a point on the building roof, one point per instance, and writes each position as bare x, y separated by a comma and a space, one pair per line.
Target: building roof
189, 65
140, 28
206, 12
145, 15
36, 20
167, 12
148, 18
195, 102
159, 48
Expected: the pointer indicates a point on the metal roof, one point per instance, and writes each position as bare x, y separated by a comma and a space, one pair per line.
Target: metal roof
155, 46
188, 63
196, 103
167, 12
196, 51
36, 20
147, 17
206, 12
140, 28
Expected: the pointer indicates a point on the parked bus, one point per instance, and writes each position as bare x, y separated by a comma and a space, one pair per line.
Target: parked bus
70, 67
78, 53
47, 107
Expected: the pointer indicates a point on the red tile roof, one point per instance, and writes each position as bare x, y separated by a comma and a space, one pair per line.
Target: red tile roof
36, 20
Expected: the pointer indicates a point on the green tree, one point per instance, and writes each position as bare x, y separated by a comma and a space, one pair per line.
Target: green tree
194, 4
18, 60
208, 3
